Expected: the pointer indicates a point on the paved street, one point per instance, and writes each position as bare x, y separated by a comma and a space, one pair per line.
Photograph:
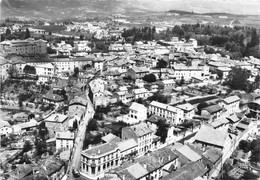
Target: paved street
78, 144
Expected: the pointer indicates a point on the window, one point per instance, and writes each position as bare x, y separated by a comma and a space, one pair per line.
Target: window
92, 170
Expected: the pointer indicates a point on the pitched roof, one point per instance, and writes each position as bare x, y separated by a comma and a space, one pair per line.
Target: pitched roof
155, 118
111, 137
137, 107
57, 118
4, 124
65, 135
163, 106
219, 122
127, 144
213, 109
79, 100
233, 118
212, 136
189, 153
231, 99
186, 107
188, 172
101, 150
140, 69
138, 130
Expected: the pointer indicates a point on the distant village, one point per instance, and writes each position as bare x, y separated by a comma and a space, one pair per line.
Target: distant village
140, 110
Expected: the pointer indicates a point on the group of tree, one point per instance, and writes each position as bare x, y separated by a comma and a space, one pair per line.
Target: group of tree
8, 35
237, 42
29, 69
162, 130
139, 34
159, 97
238, 79
254, 147
149, 78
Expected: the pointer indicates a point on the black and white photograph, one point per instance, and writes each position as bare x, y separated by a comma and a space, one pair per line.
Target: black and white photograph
129, 89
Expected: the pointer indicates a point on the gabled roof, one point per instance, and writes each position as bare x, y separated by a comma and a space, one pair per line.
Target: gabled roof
111, 137
188, 172
79, 100
137, 107
65, 135
213, 109
138, 130
4, 124
186, 107
127, 144
57, 118
233, 118
219, 122
163, 106
140, 69
211, 136
189, 153
231, 99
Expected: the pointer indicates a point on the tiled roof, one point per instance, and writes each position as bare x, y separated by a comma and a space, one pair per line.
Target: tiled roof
219, 122
139, 91
137, 107
231, 99
79, 100
4, 124
154, 119
186, 107
101, 150
188, 172
65, 135
111, 137
127, 144
140, 69
53, 97
212, 136
213, 109
163, 106
189, 153
58, 118
139, 129
233, 118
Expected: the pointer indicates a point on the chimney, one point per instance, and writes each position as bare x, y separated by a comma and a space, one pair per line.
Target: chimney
145, 166
169, 157
98, 151
123, 177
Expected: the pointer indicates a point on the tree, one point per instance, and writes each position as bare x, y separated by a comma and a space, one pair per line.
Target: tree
8, 32
27, 146
237, 78
244, 145
29, 69
51, 51
81, 37
149, 78
86, 66
76, 72
182, 81
92, 125
42, 130
20, 103
162, 64
27, 34
75, 124
12, 71
162, 130
201, 106
40, 146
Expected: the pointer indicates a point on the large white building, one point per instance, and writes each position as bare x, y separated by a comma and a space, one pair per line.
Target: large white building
28, 46
6, 65
186, 72
172, 114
